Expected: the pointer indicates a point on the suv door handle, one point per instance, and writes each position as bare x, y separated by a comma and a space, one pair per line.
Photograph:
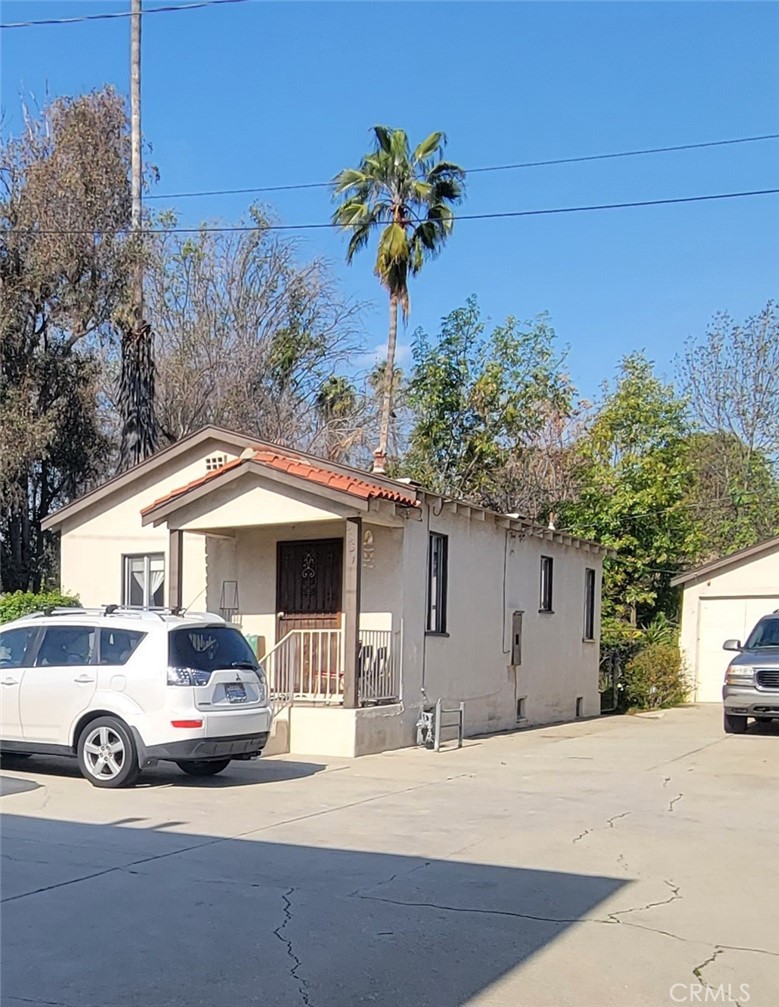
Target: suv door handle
83, 679
10, 681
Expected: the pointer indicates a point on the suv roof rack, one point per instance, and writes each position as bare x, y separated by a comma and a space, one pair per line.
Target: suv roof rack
123, 610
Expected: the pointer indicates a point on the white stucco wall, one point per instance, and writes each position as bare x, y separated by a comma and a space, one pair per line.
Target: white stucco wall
471, 663
724, 605
93, 541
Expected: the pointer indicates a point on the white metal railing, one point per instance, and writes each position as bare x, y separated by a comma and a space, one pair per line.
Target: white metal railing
307, 665
377, 668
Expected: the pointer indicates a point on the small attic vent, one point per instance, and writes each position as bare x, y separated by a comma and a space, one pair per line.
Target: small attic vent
214, 462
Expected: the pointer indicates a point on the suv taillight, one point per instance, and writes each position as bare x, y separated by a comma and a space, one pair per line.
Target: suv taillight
188, 676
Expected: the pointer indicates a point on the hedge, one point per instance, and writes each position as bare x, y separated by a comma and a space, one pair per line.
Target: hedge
19, 603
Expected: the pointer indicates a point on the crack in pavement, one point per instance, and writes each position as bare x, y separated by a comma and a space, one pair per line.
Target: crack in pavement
609, 823
675, 894
225, 839
301, 982
674, 800
35, 1000
698, 970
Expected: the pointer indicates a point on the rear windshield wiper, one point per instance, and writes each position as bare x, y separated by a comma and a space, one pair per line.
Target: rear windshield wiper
243, 664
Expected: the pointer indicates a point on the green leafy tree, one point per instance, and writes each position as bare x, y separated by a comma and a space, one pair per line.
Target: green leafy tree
633, 472
733, 494
731, 378
478, 402
407, 195
64, 208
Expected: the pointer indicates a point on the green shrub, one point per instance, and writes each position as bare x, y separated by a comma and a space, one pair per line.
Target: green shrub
655, 678
19, 603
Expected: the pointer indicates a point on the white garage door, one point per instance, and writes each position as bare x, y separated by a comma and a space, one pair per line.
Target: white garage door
723, 619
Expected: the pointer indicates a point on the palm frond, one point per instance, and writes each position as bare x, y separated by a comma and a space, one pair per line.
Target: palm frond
429, 146
383, 136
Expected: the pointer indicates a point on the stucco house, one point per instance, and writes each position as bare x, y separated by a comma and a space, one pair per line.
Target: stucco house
723, 600
367, 598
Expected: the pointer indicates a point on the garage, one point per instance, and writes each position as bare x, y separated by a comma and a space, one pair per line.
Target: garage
723, 600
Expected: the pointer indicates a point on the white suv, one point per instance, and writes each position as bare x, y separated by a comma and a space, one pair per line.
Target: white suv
121, 689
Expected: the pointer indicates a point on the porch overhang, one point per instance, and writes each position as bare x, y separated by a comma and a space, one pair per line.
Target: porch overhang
309, 493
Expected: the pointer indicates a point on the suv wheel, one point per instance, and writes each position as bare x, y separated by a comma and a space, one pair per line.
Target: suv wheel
734, 724
203, 767
107, 755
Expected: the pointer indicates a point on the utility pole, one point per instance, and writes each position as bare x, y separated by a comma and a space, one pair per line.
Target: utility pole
135, 131
136, 382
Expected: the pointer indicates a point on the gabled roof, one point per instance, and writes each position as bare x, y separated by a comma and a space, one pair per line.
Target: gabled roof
238, 440
340, 478
715, 565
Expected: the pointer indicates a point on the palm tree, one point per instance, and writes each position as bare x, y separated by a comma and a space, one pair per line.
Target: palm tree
409, 195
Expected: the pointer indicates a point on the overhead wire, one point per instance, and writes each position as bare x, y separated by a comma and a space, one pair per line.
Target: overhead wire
472, 171
110, 15
247, 228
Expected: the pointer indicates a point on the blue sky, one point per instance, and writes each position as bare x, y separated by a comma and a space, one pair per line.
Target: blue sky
270, 93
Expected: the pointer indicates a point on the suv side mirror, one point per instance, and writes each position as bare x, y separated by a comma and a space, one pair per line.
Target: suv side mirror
732, 645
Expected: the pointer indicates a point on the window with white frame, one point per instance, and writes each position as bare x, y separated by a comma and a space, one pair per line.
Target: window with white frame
214, 462
437, 575
143, 581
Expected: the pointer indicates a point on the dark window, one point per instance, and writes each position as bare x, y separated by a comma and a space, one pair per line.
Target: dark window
209, 648
66, 645
143, 581
15, 645
547, 568
117, 645
437, 575
589, 604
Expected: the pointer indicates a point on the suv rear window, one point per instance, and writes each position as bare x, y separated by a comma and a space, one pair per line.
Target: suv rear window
765, 634
66, 645
207, 648
117, 645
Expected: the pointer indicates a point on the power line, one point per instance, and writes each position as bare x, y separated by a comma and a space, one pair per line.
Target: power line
124, 13
473, 171
246, 228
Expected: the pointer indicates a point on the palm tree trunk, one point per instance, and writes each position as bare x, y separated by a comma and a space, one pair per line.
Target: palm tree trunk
136, 381
380, 454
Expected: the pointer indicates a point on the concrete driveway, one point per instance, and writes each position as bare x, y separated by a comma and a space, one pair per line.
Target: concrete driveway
627, 861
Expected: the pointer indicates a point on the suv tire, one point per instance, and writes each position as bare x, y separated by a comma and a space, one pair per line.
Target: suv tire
203, 767
734, 723
107, 755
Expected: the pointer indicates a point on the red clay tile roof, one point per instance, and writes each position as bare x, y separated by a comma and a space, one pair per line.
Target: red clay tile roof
193, 485
352, 485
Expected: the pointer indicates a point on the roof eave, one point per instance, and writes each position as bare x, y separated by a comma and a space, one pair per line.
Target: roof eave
58, 517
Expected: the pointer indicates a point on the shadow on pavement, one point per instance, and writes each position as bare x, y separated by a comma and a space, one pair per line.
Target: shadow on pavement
167, 774
10, 785
111, 914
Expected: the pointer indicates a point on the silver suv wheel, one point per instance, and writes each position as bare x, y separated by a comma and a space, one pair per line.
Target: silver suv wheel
107, 754
104, 753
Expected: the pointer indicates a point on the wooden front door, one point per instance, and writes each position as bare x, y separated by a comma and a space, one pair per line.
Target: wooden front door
308, 598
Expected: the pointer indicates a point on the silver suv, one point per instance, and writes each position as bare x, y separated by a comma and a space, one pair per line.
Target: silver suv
751, 686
